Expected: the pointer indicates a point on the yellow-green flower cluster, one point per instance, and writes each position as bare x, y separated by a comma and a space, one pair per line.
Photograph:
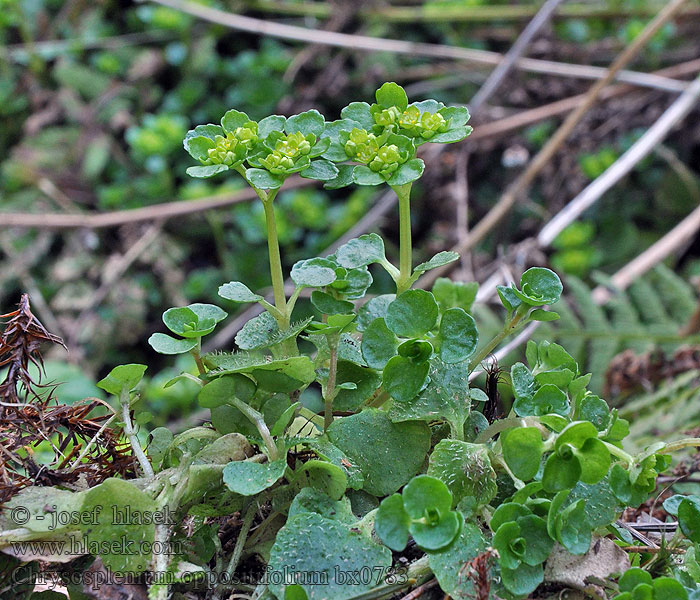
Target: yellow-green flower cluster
387, 160
387, 116
288, 150
232, 148
364, 147
425, 125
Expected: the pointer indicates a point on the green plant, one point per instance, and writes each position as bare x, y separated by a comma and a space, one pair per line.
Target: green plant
397, 447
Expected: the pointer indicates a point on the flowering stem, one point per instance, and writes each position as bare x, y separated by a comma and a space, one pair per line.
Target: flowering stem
329, 391
403, 192
273, 248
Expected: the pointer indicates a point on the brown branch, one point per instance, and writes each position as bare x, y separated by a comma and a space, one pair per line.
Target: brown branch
623, 165
374, 44
418, 592
516, 51
165, 211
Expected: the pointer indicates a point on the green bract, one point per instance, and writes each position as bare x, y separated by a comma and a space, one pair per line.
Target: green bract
422, 510
539, 286
191, 322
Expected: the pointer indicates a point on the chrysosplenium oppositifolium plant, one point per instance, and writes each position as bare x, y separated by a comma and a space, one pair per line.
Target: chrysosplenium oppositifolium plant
401, 452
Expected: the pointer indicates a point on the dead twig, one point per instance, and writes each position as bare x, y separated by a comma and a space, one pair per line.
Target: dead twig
165, 211
516, 51
623, 165
112, 276
678, 236
418, 592
368, 43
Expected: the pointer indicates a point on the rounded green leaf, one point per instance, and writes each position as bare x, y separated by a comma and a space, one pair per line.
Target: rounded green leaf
523, 580
413, 314
408, 172
439, 260
424, 492
388, 454
264, 180
572, 528
633, 577
576, 434
258, 332
594, 458
363, 175
199, 146
307, 122
392, 94
379, 344
544, 315
548, 399
360, 113
233, 119
539, 544
689, 518
392, 522
596, 410
435, 537
417, 350
539, 286
164, 344
238, 292
506, 512
508, 298
403, 378
510, 544
365, 382
313, 272
270, 124
362, 251
466, 470
522, 451
452, 135
223, 389
458, 335
322, 476
667, 588
320, 170
123, 377
523, 382
329, 550
328, 305
249, 478
195, 320
204, 172
448, 562
344, 177
560, 473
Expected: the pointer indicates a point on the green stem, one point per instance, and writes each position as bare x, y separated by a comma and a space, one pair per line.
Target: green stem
240, 543
679, 445
273, 249
403, 192
257, 419
196, 353
131, 435
329, 391
620, 453
488, 348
